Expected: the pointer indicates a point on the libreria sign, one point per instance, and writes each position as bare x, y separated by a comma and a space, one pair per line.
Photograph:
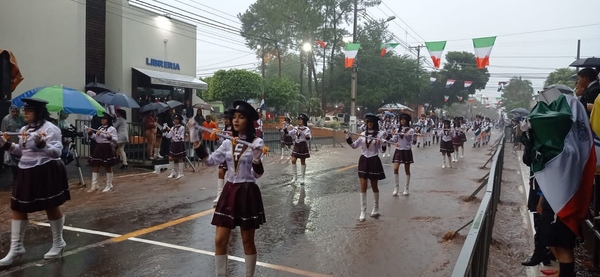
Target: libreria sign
163, 64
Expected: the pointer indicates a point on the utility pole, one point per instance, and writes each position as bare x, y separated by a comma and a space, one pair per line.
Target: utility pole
578, 51
354, 66
418, 47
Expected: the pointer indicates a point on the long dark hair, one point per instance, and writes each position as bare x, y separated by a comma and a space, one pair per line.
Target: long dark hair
122, 113
375, 128
250, 131
110, 122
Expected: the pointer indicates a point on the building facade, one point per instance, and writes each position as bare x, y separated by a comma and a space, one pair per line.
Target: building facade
132, 50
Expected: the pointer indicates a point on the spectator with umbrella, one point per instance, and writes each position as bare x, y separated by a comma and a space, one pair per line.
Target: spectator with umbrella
587, 78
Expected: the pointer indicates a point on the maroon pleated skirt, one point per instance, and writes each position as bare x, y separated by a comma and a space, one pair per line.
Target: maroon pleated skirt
301, 150
40, 188
287, 140
240, 205
177, 150
403, 157
104, 155
370, 168
446, 147
463, 137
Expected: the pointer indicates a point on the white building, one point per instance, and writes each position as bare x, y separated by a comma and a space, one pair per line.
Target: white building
145, 55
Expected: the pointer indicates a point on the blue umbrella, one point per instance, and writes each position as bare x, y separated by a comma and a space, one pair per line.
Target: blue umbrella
67, 100
116, 99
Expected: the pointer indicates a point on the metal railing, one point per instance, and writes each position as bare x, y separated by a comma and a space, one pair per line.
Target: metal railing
473, 258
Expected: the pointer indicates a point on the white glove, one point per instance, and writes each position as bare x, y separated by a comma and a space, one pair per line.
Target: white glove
257, 149
36, 137
347, 134
2, 141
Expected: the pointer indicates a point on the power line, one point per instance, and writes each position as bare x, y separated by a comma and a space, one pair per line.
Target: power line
537, 31
423, 40
221, 62
237, 21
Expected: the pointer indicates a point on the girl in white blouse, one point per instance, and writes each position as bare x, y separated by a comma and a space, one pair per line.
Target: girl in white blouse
104, 154
369, 164
41, 181
240, 203
403, 138
177, 152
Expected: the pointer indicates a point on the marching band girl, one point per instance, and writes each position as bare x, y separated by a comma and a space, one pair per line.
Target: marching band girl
462, 133
228, 130
487, 128
41, 181
477, 130
301, 135
177, 151
104, 153
240, 203
286, 140
403, 153
446, 146
456, 140
387, 126
369, 163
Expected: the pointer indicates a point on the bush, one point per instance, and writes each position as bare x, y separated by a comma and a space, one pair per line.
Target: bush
332, 125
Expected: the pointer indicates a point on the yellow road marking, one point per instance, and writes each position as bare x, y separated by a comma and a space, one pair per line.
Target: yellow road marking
346, 168
161, 226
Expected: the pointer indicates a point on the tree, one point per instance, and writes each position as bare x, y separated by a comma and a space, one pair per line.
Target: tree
517, 94
280, 93
461, 67
203, 94
561, 76
234, 84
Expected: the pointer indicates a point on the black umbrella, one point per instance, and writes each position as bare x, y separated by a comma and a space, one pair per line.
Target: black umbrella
116, 99
562, 88
586, 62
159, 107
97, 87
520, 111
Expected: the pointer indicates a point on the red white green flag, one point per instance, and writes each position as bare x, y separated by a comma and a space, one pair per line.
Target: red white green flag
351, 51
450, 82
321, 43
436, 48
565, 159
385, 47
446, 97
459, 98
483, 49
468, 83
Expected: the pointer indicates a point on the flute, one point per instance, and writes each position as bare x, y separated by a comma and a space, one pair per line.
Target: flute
234, 140
365, 136
23, 135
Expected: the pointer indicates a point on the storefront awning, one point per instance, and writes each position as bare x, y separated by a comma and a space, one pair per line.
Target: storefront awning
172, 79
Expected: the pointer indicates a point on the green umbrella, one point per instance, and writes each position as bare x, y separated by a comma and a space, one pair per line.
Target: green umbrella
68, 100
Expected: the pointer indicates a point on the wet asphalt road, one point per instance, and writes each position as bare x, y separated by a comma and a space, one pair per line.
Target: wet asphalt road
152, 226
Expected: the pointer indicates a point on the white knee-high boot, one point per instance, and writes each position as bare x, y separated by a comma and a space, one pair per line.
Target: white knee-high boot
396, 183
303, 173
58, 243
294, 172
180, 174
250, 261
94, 183
172, 168
221, 265
375, 211
444, 161
220, 185
17, 232
109, 184
363, 206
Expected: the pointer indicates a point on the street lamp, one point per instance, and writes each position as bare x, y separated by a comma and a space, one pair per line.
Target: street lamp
306, 47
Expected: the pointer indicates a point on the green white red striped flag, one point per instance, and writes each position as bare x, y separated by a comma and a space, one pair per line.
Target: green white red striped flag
385, 47
436, 48
351, 51
483, 49
564, 161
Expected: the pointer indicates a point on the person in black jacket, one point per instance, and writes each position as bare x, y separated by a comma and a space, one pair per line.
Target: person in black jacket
587, 78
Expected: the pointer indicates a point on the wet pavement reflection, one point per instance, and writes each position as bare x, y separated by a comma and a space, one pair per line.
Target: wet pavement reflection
311, 230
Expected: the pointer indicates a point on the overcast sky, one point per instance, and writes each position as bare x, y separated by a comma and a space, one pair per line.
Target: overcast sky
533, 37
